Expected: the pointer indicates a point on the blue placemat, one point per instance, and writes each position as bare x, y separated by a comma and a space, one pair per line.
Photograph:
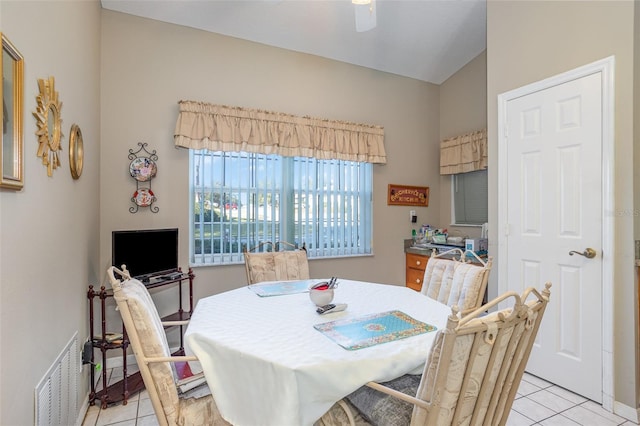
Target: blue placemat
373, 329
282, 287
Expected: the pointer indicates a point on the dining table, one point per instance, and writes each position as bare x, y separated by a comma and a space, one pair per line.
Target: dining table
270, 359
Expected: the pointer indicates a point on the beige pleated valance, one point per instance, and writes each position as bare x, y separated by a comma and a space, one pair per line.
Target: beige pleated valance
224, 128
465, 153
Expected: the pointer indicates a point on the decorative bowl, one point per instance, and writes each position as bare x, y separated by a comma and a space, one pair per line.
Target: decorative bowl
321, 297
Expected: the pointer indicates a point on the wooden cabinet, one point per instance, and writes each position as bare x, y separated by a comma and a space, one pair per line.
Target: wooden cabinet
416, 265
130, 384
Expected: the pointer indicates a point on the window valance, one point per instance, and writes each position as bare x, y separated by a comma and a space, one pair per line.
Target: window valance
464, 153
224, 128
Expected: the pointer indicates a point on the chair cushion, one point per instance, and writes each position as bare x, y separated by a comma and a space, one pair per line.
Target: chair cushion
381, 409
336, 416
472, 372
447, 282
153, 342
437, 278
465, 286
291, 265
201, 411
449, 397
454, 283
261, 267
272, 266
460, 363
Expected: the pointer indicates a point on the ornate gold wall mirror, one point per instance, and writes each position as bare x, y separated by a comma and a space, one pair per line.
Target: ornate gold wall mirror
76, 151
49, 124
12, 89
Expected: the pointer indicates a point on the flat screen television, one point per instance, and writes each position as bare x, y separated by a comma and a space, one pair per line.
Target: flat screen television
145, 251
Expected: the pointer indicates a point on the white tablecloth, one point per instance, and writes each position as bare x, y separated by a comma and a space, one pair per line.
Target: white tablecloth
267, 365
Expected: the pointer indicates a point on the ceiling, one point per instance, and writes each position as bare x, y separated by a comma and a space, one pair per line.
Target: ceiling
427, 40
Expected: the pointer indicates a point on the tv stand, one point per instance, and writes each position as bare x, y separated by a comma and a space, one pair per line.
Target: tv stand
102, 339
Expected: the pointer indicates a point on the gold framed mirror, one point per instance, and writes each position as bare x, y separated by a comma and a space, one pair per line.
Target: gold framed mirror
12, 89
49, 130
76, 151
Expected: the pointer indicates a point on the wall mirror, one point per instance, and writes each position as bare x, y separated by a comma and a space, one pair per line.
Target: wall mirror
49, 124
12, 153
76, 151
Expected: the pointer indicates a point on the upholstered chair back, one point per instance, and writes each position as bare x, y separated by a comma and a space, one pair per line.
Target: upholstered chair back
472, 372
476, 364
276, 265
438, 276
456, 283
145, 332
146, 335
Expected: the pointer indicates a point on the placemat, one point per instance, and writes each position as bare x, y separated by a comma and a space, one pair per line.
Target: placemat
282, 287
373, 329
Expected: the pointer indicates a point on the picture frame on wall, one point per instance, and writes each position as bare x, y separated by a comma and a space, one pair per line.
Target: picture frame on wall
405, 195
12, 152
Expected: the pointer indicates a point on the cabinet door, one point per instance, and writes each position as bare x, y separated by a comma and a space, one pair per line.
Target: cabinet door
417, 261
414, 278
415, 266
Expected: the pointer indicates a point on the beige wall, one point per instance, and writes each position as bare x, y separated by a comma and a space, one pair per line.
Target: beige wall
636, 175
528, 41
55, 234
149, 66
49, 230
636, 121
463, 109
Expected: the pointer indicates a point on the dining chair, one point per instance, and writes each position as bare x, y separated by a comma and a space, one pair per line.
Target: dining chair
275, 265
175, 402
456, 281
472, 372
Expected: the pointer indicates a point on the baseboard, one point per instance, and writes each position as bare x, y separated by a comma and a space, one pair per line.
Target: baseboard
625, 411
83, 411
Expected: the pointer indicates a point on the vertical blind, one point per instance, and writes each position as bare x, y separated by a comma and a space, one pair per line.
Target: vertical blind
243, 199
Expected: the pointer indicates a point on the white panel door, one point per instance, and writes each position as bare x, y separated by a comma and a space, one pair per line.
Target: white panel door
554, 207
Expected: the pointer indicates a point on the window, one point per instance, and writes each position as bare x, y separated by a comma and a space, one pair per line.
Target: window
239, 200
470, 198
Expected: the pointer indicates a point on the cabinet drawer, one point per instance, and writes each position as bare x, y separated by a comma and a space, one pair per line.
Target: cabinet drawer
416, 287
417, 261
414, 278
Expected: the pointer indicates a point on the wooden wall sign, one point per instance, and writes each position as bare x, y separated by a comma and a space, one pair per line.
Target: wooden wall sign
404, 195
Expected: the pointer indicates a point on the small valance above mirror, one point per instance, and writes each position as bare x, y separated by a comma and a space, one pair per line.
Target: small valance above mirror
224, 128
464, 153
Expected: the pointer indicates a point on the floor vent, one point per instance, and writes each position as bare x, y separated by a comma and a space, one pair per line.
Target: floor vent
56, 394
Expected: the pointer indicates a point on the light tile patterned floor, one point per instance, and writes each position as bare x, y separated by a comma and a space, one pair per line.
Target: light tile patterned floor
538, 403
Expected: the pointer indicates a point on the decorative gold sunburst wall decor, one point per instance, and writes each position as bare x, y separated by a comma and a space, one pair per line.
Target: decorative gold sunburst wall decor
49, 124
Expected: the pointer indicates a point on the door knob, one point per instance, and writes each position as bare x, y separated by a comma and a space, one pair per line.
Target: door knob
589, 253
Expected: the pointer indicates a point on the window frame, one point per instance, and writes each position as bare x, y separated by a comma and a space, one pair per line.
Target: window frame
287, 206
456, 183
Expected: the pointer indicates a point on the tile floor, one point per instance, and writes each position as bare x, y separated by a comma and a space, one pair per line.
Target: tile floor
538, 403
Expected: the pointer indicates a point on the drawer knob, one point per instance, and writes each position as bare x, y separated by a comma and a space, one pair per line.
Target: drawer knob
418, 262
417, 280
